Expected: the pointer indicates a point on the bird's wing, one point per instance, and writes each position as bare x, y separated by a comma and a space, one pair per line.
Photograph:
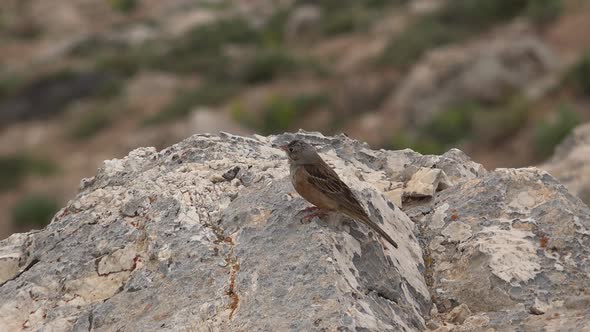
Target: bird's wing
325, 179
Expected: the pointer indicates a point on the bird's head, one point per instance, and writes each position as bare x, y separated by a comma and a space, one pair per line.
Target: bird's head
300, 152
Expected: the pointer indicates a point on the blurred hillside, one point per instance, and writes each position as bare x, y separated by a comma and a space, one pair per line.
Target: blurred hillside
88, 80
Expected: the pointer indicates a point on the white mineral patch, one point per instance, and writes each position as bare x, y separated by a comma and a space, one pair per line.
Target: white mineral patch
580, 227
436, 244
117, 261
522, 203
9, 265
438, 219
512, 253
95, 288
366, 320
457, 231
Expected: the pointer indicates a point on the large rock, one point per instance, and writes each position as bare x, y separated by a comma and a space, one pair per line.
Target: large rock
571, 162
512, 247
206, 236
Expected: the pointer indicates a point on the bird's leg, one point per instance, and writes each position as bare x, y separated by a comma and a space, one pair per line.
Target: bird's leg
318, 212
310, 209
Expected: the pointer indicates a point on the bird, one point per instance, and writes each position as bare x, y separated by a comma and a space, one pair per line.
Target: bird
320, 185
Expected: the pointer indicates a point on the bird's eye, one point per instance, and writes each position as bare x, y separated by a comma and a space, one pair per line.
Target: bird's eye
291, 150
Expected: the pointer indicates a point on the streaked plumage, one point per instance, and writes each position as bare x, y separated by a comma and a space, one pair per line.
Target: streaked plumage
319, 184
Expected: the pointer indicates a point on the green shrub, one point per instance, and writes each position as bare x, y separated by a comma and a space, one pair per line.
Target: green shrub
90, 124
452, 125
278, 116
39, 166
109, 88
208, 94
266, 65
341, 17
467, 120
12, 170
453, 22
9, 85
124, 6
340, 21
280, 113
204, 50
549, 134
419, 37
498, 124
123, 64
240, 115
15, 167
579, 75
272, 33
34, 211
480, 14
423, 145
201, 49
544, 11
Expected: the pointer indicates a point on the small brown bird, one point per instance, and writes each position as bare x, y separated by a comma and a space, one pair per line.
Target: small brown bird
319, 184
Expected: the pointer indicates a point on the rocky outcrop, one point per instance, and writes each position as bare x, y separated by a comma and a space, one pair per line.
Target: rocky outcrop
512, 247
571, 162
487, 71
206, 235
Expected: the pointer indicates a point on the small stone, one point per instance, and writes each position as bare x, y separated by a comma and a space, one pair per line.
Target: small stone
216, 178
425, 182
433, 324
459, 314
477, 320
395, 196
538, 307
231, 174
86, 182
9, 265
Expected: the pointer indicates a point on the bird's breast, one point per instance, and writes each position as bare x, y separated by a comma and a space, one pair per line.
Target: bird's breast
309, 191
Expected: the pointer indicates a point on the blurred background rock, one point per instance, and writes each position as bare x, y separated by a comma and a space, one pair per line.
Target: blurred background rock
87, 80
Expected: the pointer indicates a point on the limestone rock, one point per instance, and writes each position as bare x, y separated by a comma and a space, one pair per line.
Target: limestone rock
206, 235
459, 314
152, 243
514, 244
425, 182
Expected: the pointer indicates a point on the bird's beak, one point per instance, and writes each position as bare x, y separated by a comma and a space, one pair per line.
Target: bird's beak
283, 147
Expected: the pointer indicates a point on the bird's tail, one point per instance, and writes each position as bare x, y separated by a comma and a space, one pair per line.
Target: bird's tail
365, 219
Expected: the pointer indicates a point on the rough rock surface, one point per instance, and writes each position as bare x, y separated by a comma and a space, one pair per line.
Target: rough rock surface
205, 235
571, 162
512, 244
